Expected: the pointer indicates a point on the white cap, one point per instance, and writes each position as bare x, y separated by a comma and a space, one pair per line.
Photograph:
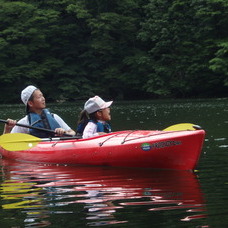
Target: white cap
96, 103
27, 93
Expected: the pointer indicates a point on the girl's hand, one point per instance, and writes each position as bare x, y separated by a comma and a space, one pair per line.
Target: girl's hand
8, 127
60, 131
102, 133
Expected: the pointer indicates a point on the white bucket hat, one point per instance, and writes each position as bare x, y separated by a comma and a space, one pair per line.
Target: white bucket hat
96, 103
27, 93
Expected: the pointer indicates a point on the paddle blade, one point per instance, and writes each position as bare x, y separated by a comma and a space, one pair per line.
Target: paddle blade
18, 141
182, 127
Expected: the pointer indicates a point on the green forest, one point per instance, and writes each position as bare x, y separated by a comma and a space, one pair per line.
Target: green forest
120, 49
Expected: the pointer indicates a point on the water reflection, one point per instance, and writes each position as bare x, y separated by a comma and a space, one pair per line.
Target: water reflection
95, 196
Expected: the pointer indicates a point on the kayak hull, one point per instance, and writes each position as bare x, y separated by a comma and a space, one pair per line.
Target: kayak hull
148, 149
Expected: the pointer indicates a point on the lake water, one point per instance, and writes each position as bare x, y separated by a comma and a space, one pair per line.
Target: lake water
36, 195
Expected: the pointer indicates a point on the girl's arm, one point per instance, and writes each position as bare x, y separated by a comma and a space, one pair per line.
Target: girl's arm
90, 130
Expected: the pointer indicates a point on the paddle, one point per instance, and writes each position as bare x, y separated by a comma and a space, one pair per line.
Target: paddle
20, 141
182, 127
17, 141
32, 127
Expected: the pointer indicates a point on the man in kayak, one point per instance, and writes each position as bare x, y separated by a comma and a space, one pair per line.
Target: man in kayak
94, 117
37, 116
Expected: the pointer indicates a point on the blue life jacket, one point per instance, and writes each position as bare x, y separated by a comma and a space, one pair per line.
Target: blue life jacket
81, 127
45, 120
101, 127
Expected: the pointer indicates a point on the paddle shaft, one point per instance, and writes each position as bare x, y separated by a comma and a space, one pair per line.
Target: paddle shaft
32, 127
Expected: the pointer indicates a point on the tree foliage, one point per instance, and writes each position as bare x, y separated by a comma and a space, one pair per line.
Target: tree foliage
123, 49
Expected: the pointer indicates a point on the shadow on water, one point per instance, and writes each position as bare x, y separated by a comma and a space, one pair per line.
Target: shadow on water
35, 195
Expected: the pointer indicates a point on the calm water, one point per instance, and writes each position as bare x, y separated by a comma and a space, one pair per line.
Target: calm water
36, 195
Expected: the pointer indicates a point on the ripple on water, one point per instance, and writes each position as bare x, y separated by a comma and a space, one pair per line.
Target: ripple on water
97, 195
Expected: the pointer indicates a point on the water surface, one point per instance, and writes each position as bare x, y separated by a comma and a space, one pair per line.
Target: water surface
39, 195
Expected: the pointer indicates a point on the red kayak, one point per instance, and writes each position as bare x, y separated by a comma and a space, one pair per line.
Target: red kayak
139, 148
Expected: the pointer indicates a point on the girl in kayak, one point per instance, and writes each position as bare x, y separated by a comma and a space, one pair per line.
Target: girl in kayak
38, 116
94, 117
